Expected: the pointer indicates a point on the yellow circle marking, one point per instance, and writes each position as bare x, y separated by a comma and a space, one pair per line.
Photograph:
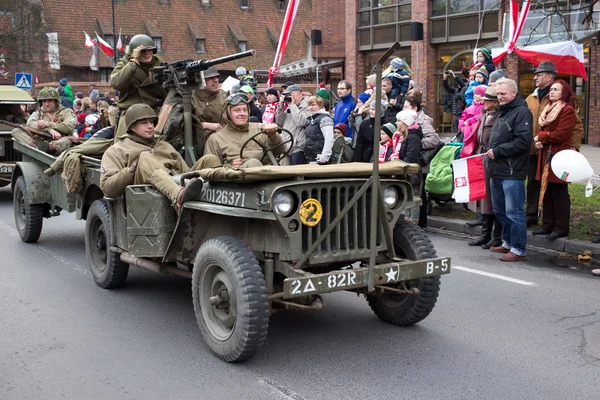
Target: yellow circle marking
311, 212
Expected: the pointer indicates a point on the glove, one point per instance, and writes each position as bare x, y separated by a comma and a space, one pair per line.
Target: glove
137, 52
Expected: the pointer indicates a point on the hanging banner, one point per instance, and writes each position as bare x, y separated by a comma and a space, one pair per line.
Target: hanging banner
53, 54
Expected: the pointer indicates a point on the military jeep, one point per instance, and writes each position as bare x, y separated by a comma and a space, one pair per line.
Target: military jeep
258, 241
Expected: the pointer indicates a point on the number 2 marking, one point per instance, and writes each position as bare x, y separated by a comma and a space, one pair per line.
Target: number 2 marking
296, 286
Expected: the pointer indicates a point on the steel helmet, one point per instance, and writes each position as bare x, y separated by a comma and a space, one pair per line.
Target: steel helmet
240, 71
48, 93
141, 40
138, 112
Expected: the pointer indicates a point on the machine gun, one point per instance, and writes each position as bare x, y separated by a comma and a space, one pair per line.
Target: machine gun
184, 76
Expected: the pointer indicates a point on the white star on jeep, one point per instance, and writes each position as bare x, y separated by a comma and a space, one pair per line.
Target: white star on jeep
391, 275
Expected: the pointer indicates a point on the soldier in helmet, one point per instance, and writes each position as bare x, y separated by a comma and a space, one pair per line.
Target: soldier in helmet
141, 157
226, 143
133, 79
246, 79
52, 118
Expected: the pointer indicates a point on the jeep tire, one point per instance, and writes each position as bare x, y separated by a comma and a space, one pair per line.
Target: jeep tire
108, 270
231, 300
402, 309
28, 217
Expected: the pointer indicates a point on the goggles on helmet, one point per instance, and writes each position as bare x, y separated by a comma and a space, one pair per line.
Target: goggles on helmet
237, 98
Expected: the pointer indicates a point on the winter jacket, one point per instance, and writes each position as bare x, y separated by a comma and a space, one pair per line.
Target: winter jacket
430, 137
319, 137
510, 140
555, 137
458, 104
468, 96
69, 92
471, 116
294, 120
363, 152
411, 145
483, 130
342, 111
400, 82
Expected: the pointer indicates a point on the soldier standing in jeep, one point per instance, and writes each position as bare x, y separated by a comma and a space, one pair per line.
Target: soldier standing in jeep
51, 118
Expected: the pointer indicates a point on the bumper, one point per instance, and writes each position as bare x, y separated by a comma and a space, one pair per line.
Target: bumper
384, 274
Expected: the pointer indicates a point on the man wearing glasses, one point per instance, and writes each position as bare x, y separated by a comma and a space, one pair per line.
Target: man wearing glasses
226, 143
344, 107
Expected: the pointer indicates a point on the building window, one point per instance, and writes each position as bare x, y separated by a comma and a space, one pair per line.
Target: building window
281, 4
200, 45
158, 43
244, 4
205, 2
382, 22
105, 74
242, 46
110, 39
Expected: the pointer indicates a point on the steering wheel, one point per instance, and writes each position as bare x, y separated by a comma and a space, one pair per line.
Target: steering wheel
268, 150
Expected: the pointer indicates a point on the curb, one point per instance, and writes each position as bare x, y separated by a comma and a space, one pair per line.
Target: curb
561, 245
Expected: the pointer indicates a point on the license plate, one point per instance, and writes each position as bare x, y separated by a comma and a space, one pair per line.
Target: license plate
358, 278
6, 169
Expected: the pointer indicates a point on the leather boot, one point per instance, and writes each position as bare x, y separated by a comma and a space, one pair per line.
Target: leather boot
476, 222
496, 235
486, 231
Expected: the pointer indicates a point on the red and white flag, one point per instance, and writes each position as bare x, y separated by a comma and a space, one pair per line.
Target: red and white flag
89, 43
120, 46
469, 179
105, 47
286, 30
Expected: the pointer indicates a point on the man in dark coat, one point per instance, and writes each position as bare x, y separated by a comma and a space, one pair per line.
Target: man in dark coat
508, 155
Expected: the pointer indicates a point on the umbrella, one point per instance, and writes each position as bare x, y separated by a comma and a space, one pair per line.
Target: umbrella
544, 183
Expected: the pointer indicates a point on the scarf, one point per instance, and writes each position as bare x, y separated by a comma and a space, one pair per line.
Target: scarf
550, 112
269, 114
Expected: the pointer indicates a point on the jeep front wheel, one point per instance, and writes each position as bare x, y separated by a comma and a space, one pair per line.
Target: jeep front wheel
403, 309
28, 217
108, 270
230, 298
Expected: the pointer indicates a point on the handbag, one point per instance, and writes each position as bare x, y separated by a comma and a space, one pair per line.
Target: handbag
427, 154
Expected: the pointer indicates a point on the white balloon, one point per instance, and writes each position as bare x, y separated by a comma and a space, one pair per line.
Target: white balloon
571, 166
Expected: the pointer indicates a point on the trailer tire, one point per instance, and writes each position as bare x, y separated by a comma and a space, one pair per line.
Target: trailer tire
108, 270
28, 217
404, 310
225, 270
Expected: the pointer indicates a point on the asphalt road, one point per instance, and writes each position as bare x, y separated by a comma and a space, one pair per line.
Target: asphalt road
531, 331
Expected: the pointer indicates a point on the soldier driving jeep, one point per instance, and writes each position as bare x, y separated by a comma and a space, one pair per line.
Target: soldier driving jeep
237, 135
141, 157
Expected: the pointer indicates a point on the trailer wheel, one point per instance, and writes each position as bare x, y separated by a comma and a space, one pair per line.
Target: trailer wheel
28, 217
230, 298
108, 270
403, 310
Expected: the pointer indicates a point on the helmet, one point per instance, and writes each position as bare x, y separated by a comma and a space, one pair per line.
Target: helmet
234, 100
141, 40
249, 80
240, 71
138, 112
48, 93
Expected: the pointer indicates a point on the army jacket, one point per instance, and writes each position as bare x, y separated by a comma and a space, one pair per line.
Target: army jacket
208, 107
119, 158
62, 120
136, 85
226, 143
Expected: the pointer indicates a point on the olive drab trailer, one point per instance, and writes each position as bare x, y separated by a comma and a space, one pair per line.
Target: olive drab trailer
266, 239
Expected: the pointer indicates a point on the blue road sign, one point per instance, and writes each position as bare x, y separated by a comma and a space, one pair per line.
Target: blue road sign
23, 81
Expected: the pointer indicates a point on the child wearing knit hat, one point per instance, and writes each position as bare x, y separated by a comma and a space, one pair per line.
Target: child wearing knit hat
481, 77
470, 115
484, 57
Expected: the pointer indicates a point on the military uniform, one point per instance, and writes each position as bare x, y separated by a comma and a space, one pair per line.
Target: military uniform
62, 121
226, 144
136, 84
156, 162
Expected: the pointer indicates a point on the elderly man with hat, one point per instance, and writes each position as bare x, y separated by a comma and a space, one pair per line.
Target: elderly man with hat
142, 157
292, 113
543, 77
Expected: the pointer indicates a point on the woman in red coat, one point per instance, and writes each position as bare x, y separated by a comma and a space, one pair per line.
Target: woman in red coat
557, 122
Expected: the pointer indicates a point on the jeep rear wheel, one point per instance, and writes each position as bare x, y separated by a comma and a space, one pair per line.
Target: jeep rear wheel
403, 309
230, 298
28, 217
108, 270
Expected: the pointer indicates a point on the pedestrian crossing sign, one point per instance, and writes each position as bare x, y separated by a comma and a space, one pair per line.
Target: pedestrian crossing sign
23, 81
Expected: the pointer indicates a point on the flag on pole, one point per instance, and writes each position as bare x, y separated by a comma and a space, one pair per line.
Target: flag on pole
89, 43
120, 46
288, 22
104, 46
469, 179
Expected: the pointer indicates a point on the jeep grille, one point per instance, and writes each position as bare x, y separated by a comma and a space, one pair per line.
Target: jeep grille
7, 152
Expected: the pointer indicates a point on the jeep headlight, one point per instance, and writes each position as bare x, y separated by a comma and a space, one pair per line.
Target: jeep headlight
283, 203
390, 196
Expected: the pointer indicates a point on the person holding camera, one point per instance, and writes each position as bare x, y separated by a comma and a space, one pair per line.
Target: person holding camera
458, 104
292, 113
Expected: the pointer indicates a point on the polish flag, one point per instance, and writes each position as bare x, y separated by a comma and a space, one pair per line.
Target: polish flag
120, 46
469, 179
105, 47
89, 43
